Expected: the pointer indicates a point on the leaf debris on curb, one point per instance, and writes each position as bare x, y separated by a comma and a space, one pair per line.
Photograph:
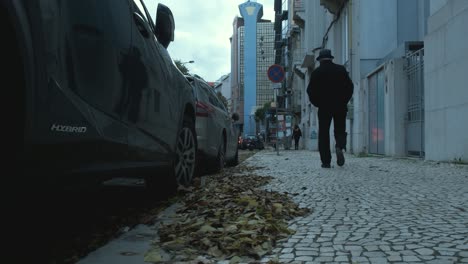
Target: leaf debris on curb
230, 218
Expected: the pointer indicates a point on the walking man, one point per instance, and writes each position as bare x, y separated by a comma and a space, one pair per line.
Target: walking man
297, 134
330, 89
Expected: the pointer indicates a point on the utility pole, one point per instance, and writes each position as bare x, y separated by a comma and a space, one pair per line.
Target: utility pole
277, 123
276, 75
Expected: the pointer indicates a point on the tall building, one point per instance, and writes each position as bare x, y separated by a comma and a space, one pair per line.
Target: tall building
252, 53
252, 12
265, 58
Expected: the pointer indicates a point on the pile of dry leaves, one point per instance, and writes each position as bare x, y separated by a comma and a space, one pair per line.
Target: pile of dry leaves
229, 218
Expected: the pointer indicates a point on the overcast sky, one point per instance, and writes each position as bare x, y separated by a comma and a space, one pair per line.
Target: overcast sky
203, 29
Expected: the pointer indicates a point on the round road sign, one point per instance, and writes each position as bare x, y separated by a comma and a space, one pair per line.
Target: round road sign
276, 73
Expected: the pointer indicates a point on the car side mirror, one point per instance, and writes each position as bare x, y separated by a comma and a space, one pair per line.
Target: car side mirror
165, 25
235, 117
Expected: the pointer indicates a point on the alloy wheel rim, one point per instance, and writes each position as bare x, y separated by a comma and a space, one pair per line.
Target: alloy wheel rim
186, 157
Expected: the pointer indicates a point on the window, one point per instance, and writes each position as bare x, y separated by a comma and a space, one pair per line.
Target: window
141, 9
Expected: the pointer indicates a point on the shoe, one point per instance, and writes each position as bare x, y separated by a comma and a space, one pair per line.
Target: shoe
327, 166
339, 157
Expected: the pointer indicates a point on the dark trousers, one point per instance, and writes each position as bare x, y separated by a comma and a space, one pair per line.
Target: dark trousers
296, 143
339, 120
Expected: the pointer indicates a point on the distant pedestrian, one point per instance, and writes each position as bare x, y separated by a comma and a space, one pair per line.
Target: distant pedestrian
330, 89
297, 134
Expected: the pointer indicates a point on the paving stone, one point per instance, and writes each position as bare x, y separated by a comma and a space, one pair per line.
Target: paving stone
410, 259
462, 247
408, 253
306, 248
307, 253
304, 258
402, 214
412, 246
327, 249
385, 248
356, 253
424, 251
360, 260
378, 260
342, 259
374, 254
426, 257
394, 258
353, 248
287, 256
446, 253
323, 259
371, 248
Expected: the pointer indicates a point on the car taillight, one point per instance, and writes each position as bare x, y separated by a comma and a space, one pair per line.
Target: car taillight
202, 109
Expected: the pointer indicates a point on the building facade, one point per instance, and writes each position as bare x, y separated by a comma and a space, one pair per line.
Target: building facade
223, 86
265, 58
237, 73
405, 59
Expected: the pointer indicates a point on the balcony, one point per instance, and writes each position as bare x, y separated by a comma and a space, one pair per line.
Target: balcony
299, 12
333, 6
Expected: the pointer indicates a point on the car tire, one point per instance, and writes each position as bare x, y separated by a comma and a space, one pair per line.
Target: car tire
221, 157
184, 167
235, 160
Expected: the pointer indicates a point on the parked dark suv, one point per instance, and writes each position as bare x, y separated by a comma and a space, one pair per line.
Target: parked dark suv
95, 91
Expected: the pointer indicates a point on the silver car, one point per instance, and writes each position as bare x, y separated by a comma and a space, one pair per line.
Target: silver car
215, 128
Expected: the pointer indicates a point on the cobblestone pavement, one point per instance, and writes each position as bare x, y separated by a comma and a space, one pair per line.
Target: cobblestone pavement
372, 210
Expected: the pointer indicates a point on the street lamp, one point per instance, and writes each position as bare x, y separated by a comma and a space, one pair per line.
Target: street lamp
183, 63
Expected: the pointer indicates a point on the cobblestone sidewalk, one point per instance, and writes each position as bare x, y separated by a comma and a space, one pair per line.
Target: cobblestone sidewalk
372, 210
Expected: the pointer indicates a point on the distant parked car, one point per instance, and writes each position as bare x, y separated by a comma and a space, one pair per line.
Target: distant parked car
95, 91
216, 132
252, 142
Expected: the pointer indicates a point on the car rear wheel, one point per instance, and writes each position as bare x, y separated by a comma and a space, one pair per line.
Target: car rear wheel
186, 153
221, 157
235, 160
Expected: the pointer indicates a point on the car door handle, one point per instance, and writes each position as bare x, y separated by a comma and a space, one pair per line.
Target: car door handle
141, 24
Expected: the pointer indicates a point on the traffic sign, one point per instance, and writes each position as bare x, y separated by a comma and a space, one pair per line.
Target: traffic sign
276, 73
276, 85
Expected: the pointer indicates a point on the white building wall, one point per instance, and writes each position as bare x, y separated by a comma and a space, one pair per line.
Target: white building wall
378, 31
395, 104
446, 93
436, 5
359, 115
312, 36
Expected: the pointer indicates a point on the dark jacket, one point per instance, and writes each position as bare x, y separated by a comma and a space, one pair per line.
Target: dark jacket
297, 133
330, 87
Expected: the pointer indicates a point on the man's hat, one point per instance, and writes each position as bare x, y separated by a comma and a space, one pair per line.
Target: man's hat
325, 54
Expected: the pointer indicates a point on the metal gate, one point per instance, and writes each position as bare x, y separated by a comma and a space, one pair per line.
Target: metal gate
376, 113
415, 111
